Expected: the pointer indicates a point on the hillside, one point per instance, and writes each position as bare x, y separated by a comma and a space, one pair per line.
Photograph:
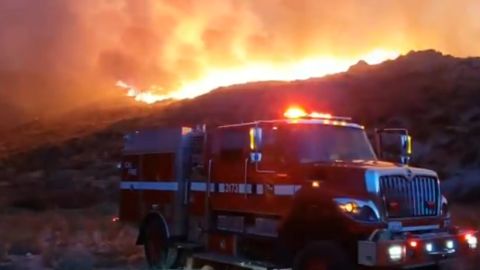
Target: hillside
435, 96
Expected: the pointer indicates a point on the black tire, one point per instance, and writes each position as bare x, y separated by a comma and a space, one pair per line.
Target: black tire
157, 251
322, 256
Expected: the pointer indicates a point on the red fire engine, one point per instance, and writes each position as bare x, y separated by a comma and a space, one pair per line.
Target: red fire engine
304, 192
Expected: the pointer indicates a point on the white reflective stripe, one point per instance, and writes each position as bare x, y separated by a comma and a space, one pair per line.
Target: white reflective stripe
221, 187
235, 188
280, 190
260, 189
135, 185
283, 190
201, 186
246, 188
227, 187
198, 186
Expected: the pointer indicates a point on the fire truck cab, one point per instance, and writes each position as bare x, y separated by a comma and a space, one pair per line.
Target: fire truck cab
304, 192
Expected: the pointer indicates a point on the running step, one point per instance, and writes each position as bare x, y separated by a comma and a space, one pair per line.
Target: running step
234, 261
188, 246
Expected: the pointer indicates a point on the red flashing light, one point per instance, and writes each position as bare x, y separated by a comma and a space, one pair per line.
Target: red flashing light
298, 112
295, 112
413, 243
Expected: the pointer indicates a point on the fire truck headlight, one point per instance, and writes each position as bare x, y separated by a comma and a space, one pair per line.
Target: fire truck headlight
449, 244
429, 247
395, 252
365, 211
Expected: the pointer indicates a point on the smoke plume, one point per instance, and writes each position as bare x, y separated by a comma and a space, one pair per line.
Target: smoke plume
58, 54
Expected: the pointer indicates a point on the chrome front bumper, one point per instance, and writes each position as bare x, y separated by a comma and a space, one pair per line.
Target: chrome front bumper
411, 250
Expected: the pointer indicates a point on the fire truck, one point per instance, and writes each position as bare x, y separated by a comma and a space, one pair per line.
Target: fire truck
307, 191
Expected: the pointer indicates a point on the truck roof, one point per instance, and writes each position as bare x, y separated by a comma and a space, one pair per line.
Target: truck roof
330, 122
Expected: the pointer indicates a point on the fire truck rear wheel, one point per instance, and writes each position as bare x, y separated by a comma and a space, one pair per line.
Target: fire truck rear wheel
157, 252
322, 256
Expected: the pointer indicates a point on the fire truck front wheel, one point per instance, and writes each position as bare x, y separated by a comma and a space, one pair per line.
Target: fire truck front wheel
157, 252
322, 256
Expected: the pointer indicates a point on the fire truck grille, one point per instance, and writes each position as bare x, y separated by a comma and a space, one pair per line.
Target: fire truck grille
416, 197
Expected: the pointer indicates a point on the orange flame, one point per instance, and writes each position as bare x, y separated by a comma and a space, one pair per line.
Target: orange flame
147, 96
260, 71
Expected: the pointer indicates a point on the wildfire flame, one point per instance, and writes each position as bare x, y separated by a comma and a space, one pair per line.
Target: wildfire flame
215, 78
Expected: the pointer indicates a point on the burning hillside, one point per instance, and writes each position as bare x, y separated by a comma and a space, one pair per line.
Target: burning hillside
255, 72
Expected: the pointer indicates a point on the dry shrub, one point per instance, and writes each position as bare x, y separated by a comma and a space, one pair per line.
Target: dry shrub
62, 236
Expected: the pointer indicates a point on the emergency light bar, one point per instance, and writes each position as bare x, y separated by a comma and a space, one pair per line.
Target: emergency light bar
299, 113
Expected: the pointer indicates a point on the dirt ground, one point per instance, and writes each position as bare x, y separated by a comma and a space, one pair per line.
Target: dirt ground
90, 239
67, 239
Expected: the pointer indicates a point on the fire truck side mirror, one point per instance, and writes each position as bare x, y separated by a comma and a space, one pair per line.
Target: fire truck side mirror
255, 135
394, 144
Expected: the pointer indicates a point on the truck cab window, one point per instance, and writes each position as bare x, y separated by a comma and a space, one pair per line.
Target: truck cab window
273, 149
330, 143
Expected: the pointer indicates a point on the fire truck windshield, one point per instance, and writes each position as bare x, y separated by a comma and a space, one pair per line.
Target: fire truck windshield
323, 143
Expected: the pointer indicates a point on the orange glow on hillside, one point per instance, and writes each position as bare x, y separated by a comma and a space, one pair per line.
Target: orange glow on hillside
315, 66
